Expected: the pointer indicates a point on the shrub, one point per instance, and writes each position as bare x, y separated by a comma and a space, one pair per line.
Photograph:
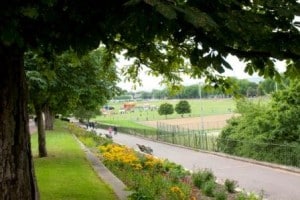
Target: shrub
88, 138
175, 193
209, 188
243, 196
230, 185
221, 195
177, 173
201, 177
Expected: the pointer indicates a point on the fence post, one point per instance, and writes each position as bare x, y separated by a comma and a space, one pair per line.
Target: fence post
206, 139
157, 130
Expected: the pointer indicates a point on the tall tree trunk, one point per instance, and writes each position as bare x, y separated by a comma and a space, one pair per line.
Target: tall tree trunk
49, 118
41, 132
17, 179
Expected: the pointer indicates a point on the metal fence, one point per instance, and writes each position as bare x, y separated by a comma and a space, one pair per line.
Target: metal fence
288, 155
206, 125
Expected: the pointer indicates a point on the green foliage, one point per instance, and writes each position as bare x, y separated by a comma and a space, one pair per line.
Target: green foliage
145, 175
261, 128
90, 139
183, 107
269, 86
166, 109
158, 34
209, 188
175, 172
82, 114
85, 82
244, 196
201, 177
230, 185
145, 187
220, 195
245, 87
216, 28
123, 97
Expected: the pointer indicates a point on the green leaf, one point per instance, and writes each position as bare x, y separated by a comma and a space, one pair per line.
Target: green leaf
198, 18
225, 63
30, 12
132, 2
219, 68
249, 68
167, 11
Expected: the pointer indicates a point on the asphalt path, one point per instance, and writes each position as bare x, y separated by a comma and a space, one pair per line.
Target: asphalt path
32, 127
273, 183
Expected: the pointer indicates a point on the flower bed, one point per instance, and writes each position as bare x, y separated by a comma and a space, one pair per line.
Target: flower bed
145, 175
152, 178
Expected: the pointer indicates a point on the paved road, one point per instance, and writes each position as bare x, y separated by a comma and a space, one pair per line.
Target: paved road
276, 184
32, 127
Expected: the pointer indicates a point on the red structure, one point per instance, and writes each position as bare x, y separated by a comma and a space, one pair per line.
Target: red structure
128, 106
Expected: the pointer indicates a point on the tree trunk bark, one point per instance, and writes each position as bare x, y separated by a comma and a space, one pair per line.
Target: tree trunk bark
49, 118
17, 178
41, 132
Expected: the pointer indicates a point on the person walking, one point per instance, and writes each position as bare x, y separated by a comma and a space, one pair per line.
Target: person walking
115, 130
109, 130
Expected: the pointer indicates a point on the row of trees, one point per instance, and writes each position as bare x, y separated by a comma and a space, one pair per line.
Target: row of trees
242, 87
182, 107
68, 84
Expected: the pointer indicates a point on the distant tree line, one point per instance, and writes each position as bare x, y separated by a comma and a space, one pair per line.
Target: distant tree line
242, 87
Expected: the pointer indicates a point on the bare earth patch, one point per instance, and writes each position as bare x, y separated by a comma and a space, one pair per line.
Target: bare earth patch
195, 123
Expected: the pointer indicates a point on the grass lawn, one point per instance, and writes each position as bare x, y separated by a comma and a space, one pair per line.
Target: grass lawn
65, 173
202, 107
125, 123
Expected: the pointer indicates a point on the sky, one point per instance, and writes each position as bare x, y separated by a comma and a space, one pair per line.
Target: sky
150, 82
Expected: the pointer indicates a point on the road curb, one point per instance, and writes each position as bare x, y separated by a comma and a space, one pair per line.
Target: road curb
266, 164
105, 174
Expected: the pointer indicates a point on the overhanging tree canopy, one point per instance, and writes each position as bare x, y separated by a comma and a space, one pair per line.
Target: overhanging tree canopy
159, 34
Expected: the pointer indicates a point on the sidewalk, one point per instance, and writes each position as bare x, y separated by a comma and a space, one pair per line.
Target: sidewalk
32, 126
108, 177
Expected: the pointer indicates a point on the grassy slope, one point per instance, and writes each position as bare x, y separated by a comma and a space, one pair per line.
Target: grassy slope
65, 173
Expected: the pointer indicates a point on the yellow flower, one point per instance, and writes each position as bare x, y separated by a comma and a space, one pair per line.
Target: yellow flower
120, 154
137, 166
177, 192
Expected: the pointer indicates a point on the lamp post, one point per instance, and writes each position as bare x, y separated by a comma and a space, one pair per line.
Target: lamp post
201, 115
201, 107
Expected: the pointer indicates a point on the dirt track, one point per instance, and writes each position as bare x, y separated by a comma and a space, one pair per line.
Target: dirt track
209, 122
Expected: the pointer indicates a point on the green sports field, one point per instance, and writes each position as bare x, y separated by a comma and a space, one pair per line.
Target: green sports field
204, 107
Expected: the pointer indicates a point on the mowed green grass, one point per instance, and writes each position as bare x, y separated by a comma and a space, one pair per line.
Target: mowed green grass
203, 107
66, 174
